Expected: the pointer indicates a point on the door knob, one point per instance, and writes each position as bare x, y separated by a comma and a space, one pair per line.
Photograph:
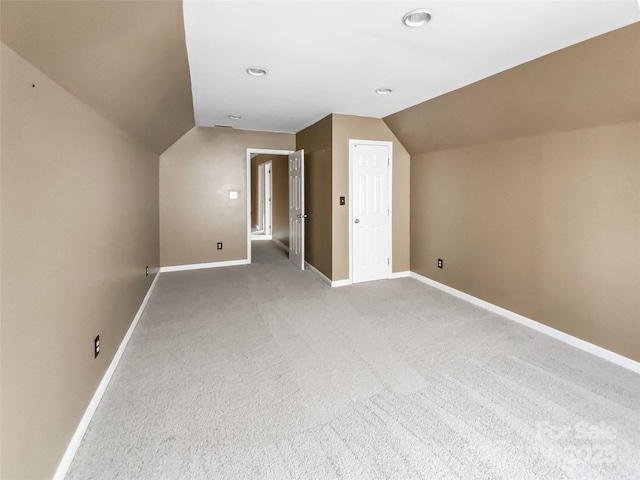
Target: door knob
357, 220
303, 215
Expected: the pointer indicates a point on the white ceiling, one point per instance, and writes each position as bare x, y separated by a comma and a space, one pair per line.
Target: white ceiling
327, 57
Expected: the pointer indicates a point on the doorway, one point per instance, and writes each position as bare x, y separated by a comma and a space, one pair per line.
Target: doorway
262, 205
267, 197
370, 165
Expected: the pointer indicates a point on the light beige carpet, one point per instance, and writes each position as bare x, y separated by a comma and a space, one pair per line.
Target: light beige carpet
264, 372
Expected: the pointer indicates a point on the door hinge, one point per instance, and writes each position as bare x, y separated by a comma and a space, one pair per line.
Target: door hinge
388, 261
388, 161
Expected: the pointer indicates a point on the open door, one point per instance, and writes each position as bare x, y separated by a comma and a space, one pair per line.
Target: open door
296, 208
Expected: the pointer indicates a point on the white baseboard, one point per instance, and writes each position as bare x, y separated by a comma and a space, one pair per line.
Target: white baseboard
347, 281
260, 236
282, 245
404, 274
198, 266
72, 448
540, 327
344, 283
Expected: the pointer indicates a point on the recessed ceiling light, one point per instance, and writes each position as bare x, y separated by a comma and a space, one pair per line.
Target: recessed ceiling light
383, 91
417, 17
256, 72
235, 117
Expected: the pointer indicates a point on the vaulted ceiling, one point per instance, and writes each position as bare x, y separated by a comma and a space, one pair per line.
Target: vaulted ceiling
593, 83
156, 68
327, 56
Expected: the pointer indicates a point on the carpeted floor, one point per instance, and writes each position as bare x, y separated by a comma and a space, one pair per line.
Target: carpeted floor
263, 372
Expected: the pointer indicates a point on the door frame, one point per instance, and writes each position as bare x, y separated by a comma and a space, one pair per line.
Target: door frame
389, 145
252, 152
265, 206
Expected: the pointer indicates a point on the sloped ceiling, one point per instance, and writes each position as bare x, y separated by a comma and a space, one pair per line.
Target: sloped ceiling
128, 59
125, 59
593, 83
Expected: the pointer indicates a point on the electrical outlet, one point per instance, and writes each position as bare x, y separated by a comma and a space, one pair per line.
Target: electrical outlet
96, 346
343, 201
439, 263
219, 245
146, 274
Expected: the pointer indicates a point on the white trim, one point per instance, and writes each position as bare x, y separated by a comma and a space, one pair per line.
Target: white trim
527, 322
389, 145
341, 283
198, 266
404, 274
75, 441
250, 153
281, 245
248, 212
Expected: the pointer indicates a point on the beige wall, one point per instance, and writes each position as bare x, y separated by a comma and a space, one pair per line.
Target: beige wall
79, 225
547, 227
526, 185
196, 175
316, 142
326, 146
346, 127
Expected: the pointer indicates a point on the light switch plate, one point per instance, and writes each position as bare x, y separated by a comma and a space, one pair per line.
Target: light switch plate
233, 195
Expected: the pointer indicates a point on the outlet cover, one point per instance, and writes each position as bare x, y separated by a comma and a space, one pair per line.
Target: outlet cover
96, 347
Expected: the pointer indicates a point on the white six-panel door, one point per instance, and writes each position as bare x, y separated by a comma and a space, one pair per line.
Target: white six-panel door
296, 208
370, 211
